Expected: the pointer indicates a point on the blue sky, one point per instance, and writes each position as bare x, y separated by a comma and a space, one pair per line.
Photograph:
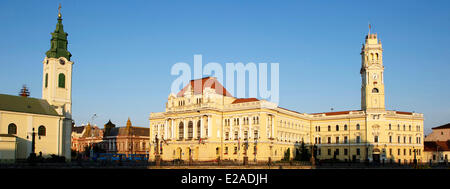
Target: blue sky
124, 50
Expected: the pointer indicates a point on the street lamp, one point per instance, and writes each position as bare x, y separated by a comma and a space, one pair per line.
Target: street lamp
415, 160
32, 156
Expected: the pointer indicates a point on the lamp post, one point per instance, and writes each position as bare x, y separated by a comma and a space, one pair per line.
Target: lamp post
157, 156
246, 150
313, 158
256, 148
415, 159
32, 156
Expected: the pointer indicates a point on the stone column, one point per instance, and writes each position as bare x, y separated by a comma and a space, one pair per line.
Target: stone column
273, 127
201, 127
240, 128
209, 126
158, 129
165, 129
194, 129
184, 129
250, 133
230, 135
173, 130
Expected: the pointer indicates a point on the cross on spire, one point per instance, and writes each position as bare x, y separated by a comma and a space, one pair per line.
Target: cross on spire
59, 11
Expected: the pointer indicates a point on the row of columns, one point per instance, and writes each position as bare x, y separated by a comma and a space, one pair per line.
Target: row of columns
173, 126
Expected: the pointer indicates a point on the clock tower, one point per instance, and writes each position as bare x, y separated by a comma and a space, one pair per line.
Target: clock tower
372, 88
57, 72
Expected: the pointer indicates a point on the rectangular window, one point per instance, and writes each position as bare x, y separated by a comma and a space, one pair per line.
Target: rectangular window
358, 139
390, 139
329, 140
337, 140
345, 139
329, 152
345, 152
336, 152
358, 151
375, 139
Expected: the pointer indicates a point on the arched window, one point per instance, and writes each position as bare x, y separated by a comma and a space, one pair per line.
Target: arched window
41, 131
374, 90
61, 80
190, 130
181, 131
12, 129
198, 129
46, 80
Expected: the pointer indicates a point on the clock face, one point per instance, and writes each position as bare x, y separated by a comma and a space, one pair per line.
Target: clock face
61, 61
375, 76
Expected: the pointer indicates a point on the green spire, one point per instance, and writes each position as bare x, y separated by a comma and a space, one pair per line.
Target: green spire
59, 42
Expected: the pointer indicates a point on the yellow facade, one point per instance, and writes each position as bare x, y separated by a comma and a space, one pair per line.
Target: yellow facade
57, 134
206, 125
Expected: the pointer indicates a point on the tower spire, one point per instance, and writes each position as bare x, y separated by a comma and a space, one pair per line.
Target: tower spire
59, 41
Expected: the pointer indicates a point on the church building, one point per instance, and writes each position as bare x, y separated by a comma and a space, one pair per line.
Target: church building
41, 126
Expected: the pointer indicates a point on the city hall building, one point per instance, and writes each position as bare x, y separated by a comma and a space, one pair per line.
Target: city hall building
204, 122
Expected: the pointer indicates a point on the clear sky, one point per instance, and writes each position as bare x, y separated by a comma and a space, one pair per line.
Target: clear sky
124, 50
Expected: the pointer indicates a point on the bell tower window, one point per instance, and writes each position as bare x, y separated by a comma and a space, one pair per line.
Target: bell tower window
375, 90
61, 81
46, 80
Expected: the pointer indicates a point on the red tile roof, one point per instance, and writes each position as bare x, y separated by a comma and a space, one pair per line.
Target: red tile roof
242, 100
405, 113
205, 82
436, 145
446, 126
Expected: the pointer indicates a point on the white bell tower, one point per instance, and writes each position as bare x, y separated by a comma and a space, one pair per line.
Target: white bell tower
57, 72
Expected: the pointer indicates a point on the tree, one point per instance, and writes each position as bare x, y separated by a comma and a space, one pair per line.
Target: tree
287, 155
305, 155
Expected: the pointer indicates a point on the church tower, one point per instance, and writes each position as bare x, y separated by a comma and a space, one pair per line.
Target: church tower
372, 88
57, 72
